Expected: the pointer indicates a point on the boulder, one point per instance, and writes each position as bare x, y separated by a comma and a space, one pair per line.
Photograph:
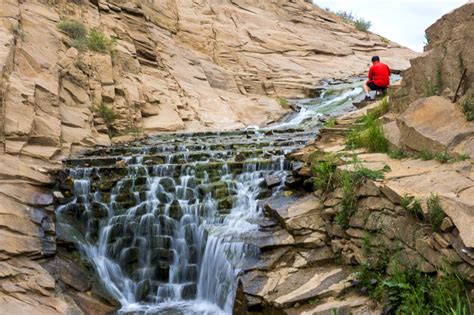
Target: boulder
426, 125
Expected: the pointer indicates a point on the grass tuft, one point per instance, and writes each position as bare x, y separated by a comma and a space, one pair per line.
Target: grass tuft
467, 106
98, 41
283, 102
435, 212
74, 29
413, 206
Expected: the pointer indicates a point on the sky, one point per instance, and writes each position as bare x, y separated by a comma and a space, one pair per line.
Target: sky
402, 21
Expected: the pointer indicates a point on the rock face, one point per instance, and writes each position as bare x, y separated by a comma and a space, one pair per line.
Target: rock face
426, 126
176, 65
449, 52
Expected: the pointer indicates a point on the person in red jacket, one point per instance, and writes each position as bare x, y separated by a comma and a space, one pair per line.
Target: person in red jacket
379, 77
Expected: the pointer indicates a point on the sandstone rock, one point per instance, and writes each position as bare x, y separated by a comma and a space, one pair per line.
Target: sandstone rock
167, 120
460, 211
442, 55
446, 224
368, 189
425, 126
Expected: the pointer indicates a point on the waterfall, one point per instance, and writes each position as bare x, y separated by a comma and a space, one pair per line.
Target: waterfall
164, 221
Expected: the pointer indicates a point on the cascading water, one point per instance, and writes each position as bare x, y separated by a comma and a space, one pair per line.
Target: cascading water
165, 221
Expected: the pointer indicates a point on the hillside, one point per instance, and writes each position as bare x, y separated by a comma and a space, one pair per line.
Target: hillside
176, 66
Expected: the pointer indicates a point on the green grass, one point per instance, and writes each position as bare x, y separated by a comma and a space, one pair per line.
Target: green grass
349, 181
74, 29
435, 212
397, 154
426, 155
98, 41
413, 206
359, 23
463, 157
407, 291
348, 202
442, 157
434, 86
324, 173
467, 106
331, 122
370, 134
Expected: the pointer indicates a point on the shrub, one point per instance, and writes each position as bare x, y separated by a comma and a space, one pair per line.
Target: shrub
107, 114
100, 42
435, 212
359, 23
467, 106
74, 29
362, 25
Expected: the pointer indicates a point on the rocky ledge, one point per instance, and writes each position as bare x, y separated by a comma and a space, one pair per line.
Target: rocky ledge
390, 223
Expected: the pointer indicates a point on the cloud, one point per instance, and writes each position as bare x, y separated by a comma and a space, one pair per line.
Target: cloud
403, 21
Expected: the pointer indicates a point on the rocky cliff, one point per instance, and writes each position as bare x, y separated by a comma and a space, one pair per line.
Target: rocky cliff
175, 65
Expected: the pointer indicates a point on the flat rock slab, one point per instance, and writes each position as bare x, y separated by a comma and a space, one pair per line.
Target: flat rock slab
454, 183
296, 212
355, 305
287, 286
426, 126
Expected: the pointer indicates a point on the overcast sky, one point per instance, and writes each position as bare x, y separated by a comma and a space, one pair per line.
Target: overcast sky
403, 21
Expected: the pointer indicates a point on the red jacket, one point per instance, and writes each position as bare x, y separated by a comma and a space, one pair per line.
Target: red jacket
379, 73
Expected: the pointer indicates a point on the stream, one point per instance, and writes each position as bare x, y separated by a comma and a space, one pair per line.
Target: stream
168, 222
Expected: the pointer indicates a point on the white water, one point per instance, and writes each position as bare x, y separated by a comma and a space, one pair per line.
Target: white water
167, 221
217, 239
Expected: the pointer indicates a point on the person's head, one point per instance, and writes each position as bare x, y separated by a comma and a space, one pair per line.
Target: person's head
375, 59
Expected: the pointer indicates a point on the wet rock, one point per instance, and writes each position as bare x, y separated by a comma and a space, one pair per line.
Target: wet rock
272, 181
72, 274
143, 290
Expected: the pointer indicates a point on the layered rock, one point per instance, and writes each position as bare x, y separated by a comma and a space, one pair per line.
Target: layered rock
448, 54
176, 66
